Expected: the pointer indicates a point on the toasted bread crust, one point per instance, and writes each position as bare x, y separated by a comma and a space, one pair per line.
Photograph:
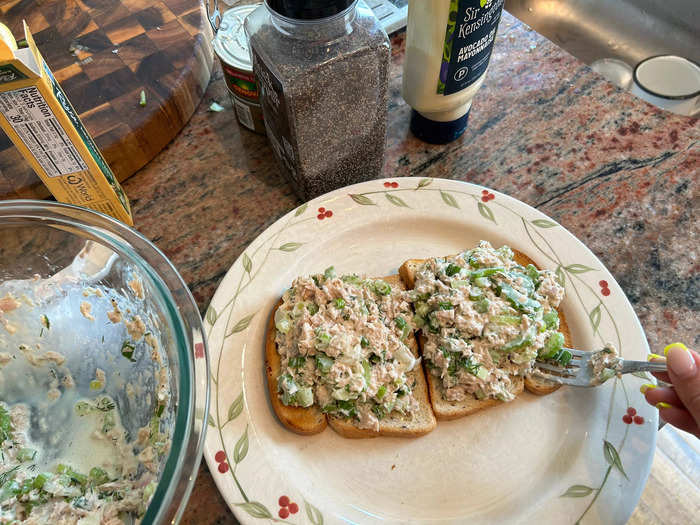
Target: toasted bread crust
445, 409
311, 420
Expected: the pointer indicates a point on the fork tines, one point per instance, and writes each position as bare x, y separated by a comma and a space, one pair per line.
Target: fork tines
558, 369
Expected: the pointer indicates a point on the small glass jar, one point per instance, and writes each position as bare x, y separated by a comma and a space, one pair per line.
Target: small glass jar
322, 69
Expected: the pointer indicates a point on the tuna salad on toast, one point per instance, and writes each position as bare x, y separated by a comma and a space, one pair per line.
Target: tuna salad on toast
484, 316
341, 351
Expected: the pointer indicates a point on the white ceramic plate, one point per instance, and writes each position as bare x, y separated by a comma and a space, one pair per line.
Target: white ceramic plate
575, 455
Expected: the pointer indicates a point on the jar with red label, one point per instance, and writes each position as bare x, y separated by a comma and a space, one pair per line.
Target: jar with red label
231, 46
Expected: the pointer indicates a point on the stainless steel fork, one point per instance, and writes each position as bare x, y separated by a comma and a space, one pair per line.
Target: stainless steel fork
579, 371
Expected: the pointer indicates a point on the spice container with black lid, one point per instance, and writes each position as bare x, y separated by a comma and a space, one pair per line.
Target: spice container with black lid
322, 67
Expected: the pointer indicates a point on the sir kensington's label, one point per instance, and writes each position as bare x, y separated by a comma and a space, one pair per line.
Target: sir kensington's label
469, 36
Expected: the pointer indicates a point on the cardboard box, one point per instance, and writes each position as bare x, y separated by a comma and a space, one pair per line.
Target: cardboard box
36, 114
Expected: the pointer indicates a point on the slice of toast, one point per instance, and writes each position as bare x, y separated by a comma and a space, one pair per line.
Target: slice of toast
445, 409
297, 419
311, 420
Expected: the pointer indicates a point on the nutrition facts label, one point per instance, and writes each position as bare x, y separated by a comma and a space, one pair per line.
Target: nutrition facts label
32, 119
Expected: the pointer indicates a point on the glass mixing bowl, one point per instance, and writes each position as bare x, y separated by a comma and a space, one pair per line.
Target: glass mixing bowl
53, 259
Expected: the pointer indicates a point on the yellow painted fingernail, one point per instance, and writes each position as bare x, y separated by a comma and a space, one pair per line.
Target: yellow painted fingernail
662, 405
646, 386
654, 356
675, 345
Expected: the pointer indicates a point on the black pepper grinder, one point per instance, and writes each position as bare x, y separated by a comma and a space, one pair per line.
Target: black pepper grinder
322, 67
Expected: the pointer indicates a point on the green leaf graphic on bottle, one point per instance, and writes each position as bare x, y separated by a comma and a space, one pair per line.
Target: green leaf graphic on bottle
447, 48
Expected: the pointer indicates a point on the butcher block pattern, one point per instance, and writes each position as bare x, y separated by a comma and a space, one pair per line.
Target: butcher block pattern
104, 53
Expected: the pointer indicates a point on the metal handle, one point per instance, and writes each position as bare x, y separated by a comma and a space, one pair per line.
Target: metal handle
642, 366
215, 17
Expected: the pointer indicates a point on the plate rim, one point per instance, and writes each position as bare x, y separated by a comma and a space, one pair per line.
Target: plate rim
360, 198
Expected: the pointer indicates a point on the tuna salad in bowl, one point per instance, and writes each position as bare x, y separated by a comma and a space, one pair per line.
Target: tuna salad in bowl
103, 372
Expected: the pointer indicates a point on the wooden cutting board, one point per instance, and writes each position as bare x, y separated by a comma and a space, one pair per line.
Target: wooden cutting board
103, 53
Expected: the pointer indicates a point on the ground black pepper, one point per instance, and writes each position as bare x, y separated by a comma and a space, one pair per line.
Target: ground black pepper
323, 87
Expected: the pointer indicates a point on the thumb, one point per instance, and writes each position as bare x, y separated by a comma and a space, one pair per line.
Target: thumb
684, 371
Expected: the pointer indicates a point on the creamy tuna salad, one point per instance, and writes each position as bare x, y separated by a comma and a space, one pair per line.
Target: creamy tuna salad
485, 318
37, 489
85, 405
605, 364
342, 342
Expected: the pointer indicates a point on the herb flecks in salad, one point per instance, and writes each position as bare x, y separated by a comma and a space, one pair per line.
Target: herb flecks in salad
343, 347
486, 318
36, 489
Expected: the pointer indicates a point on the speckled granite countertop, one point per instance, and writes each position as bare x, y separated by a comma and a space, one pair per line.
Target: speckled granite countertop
619, 174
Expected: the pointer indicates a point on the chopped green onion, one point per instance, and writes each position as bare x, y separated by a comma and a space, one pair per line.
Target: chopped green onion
523, 281
26, 454
142, 98
322, 339
452, 269
329, 272
552, 346
485, 272
459, 283
298, 309
422, 309
323, 362
563, 356
366, 371
551, 320
159, 410
400, 322
45, 321
482, 306
519, 301
382, 287
40, 479
445, 305
381, 391
364, 342
606, 374
379, 411
433, 323
9, 489
104, 404
482, 282
5, 425
75, 477
26, 486
282, 322
298, 361
518, 343
339, 303
128, 351
418, 321
98, 476
305, 396
533, 273
512, 320
312, 307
